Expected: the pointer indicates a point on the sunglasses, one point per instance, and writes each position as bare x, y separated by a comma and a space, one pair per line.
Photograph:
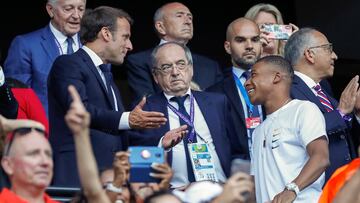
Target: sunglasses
21, 132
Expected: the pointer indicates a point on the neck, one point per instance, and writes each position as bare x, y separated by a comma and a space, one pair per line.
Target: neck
180, 41
309, 71
177, 94
29, 193
273, 105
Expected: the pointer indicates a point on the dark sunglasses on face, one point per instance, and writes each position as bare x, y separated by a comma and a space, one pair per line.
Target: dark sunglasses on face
21, 132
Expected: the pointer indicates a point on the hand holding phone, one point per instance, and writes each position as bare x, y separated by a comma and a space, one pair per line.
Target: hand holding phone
141, 159
276, 31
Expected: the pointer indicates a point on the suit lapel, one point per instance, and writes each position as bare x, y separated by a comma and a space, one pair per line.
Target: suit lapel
48, 43
301, 86
231, 92
207, 109
94, 70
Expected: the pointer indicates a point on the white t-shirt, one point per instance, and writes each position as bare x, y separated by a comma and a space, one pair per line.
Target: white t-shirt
279, 150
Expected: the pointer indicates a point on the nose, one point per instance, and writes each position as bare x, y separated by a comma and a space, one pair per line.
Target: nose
247, 83
188, 20
129, 45
249, 44
77, 13
334, 56
46, 159
174, 70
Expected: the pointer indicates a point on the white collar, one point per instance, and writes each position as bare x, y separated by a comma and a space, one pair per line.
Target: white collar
94, 57
60, 37
168, 96
308, 81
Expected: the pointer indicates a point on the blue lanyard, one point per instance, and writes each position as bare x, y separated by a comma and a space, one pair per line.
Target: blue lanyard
244, 94
185, 119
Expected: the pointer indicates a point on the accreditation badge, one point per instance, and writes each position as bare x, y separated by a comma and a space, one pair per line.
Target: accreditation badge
252, 122
202, 162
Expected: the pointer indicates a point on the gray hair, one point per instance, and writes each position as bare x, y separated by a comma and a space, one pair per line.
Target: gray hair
155, 51
297, 43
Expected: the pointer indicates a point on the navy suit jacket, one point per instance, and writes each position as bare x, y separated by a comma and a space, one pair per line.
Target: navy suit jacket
79, 70
215, 110
341, 146
30, 58
206, 73
228, 88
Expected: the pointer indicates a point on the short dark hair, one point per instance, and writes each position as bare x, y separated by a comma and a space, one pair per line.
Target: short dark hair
94, 20
279, 62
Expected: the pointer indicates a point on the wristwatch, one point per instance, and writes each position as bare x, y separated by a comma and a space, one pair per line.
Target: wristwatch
112, 188
292, 187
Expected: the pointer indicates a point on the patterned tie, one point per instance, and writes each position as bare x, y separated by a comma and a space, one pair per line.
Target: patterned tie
106, 69
323, 98
180, 101
69, 41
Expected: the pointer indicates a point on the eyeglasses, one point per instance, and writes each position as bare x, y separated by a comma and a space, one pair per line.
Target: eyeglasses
21, 132
328, 47
167, 68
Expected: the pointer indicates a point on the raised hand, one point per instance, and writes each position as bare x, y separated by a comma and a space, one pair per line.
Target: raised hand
139, 119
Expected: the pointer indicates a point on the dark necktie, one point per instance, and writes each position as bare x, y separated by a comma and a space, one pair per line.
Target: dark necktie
69, 41
180, 101
106, 69
323, 98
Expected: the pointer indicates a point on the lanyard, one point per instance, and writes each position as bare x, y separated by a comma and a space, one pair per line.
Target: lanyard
59, 46
185, 119
244, 94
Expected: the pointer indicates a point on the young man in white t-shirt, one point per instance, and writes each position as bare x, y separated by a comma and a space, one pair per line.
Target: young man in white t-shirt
290, 148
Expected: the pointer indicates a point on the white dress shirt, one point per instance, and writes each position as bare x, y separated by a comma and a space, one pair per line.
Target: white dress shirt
60, 40
124, 120
179, 164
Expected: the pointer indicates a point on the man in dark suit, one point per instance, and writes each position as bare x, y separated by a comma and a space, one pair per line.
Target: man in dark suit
172, 22
30, 56
313, 59
205, 115
244, 46
105, 32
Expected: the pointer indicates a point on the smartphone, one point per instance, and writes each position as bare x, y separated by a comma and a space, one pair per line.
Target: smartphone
141, 158
277, 31
240, 165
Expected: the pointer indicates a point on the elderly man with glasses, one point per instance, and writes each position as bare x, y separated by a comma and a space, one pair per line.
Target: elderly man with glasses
27, 161
313, 60
205, 117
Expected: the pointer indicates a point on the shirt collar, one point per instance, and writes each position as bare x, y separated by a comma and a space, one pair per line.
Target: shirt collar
163, 42
308, 81
238, 71
94, 57
168, 96
60, 37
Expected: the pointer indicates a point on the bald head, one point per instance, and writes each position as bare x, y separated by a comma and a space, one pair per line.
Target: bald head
173, 22
240, 23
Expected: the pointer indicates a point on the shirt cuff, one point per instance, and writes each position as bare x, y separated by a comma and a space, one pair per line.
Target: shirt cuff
357, 118
2, 77
124, 121
160, 145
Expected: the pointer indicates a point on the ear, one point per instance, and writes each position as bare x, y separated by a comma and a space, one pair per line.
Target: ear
277, 77
309, 55
155, 79
227, 47
160, 28
105, 34
50, 10
7, 166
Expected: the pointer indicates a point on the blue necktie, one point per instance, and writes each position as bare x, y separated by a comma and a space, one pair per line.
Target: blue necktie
70, 49
255, 112
106, 69
180, 101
